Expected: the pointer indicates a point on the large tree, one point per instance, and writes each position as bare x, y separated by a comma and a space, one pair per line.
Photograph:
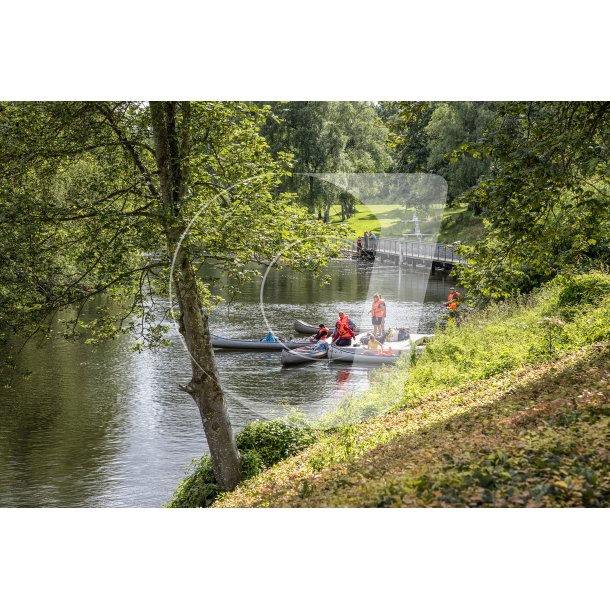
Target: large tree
96, 199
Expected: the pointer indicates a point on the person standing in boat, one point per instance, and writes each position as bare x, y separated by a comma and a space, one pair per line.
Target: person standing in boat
343, 331
378, 313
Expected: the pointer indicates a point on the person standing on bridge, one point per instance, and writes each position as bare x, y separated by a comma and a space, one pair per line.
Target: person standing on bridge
378, 313
373, 241
366, 240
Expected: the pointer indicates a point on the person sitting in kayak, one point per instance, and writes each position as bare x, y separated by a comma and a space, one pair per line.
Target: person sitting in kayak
373, 344
343, 331
321, 335
321, 345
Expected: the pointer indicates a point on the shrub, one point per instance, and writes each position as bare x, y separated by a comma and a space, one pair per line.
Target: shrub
578, 292
199, 488
273, 441
260, 444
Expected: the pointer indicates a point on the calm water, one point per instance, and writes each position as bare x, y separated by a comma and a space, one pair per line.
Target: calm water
109, 427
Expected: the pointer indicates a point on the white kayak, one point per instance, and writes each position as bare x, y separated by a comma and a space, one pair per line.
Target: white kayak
359, 356
257, 344
301, 355
363, 355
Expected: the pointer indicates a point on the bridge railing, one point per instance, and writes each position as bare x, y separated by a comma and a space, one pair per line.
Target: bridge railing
416, 249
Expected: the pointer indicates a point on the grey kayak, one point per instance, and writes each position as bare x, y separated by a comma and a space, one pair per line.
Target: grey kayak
303, 327
254, 344
301, 355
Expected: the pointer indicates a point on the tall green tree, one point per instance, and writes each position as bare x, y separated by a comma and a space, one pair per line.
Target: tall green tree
327, 137
546, 198
96, 199
427, 137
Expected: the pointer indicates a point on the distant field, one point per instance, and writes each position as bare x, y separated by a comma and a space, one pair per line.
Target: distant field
458, 223
378, 218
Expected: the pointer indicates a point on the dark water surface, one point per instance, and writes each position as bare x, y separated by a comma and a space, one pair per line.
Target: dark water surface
109, 427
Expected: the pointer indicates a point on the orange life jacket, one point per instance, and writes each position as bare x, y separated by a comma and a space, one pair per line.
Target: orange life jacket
322, 333
453, 304
378, 309
454, 296
343, 329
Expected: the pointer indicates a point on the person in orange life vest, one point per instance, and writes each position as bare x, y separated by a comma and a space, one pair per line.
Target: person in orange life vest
321, 335
454, 299
378, 313
343, 331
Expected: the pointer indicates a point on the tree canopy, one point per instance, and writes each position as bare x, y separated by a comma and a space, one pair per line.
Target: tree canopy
545, 198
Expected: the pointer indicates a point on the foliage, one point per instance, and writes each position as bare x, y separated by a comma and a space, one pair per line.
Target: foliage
199, 488
545, 198
451, 125
81, 215
274, 440
426, 135
261, 445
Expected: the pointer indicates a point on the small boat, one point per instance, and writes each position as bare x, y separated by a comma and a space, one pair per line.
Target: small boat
303, 327
360, 356
301, 355
257, 344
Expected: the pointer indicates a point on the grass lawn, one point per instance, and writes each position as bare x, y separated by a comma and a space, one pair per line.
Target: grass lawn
458, 223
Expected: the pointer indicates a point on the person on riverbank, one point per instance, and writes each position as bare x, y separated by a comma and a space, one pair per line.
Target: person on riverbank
343, 331
378, 313
454, 299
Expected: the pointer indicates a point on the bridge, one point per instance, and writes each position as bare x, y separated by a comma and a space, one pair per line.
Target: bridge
410, 253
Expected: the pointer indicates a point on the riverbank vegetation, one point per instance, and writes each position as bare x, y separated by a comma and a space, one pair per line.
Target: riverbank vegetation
524, 423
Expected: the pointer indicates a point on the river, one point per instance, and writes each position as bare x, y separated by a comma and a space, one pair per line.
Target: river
109, 428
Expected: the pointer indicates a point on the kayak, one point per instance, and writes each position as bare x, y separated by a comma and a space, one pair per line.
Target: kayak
301, 355
360, 356
303, 327
257, 344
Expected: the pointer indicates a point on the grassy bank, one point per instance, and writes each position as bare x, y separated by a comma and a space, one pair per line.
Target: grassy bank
458, 224
508, 409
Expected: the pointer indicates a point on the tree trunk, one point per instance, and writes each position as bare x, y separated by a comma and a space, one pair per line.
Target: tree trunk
204, 387
312, 200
